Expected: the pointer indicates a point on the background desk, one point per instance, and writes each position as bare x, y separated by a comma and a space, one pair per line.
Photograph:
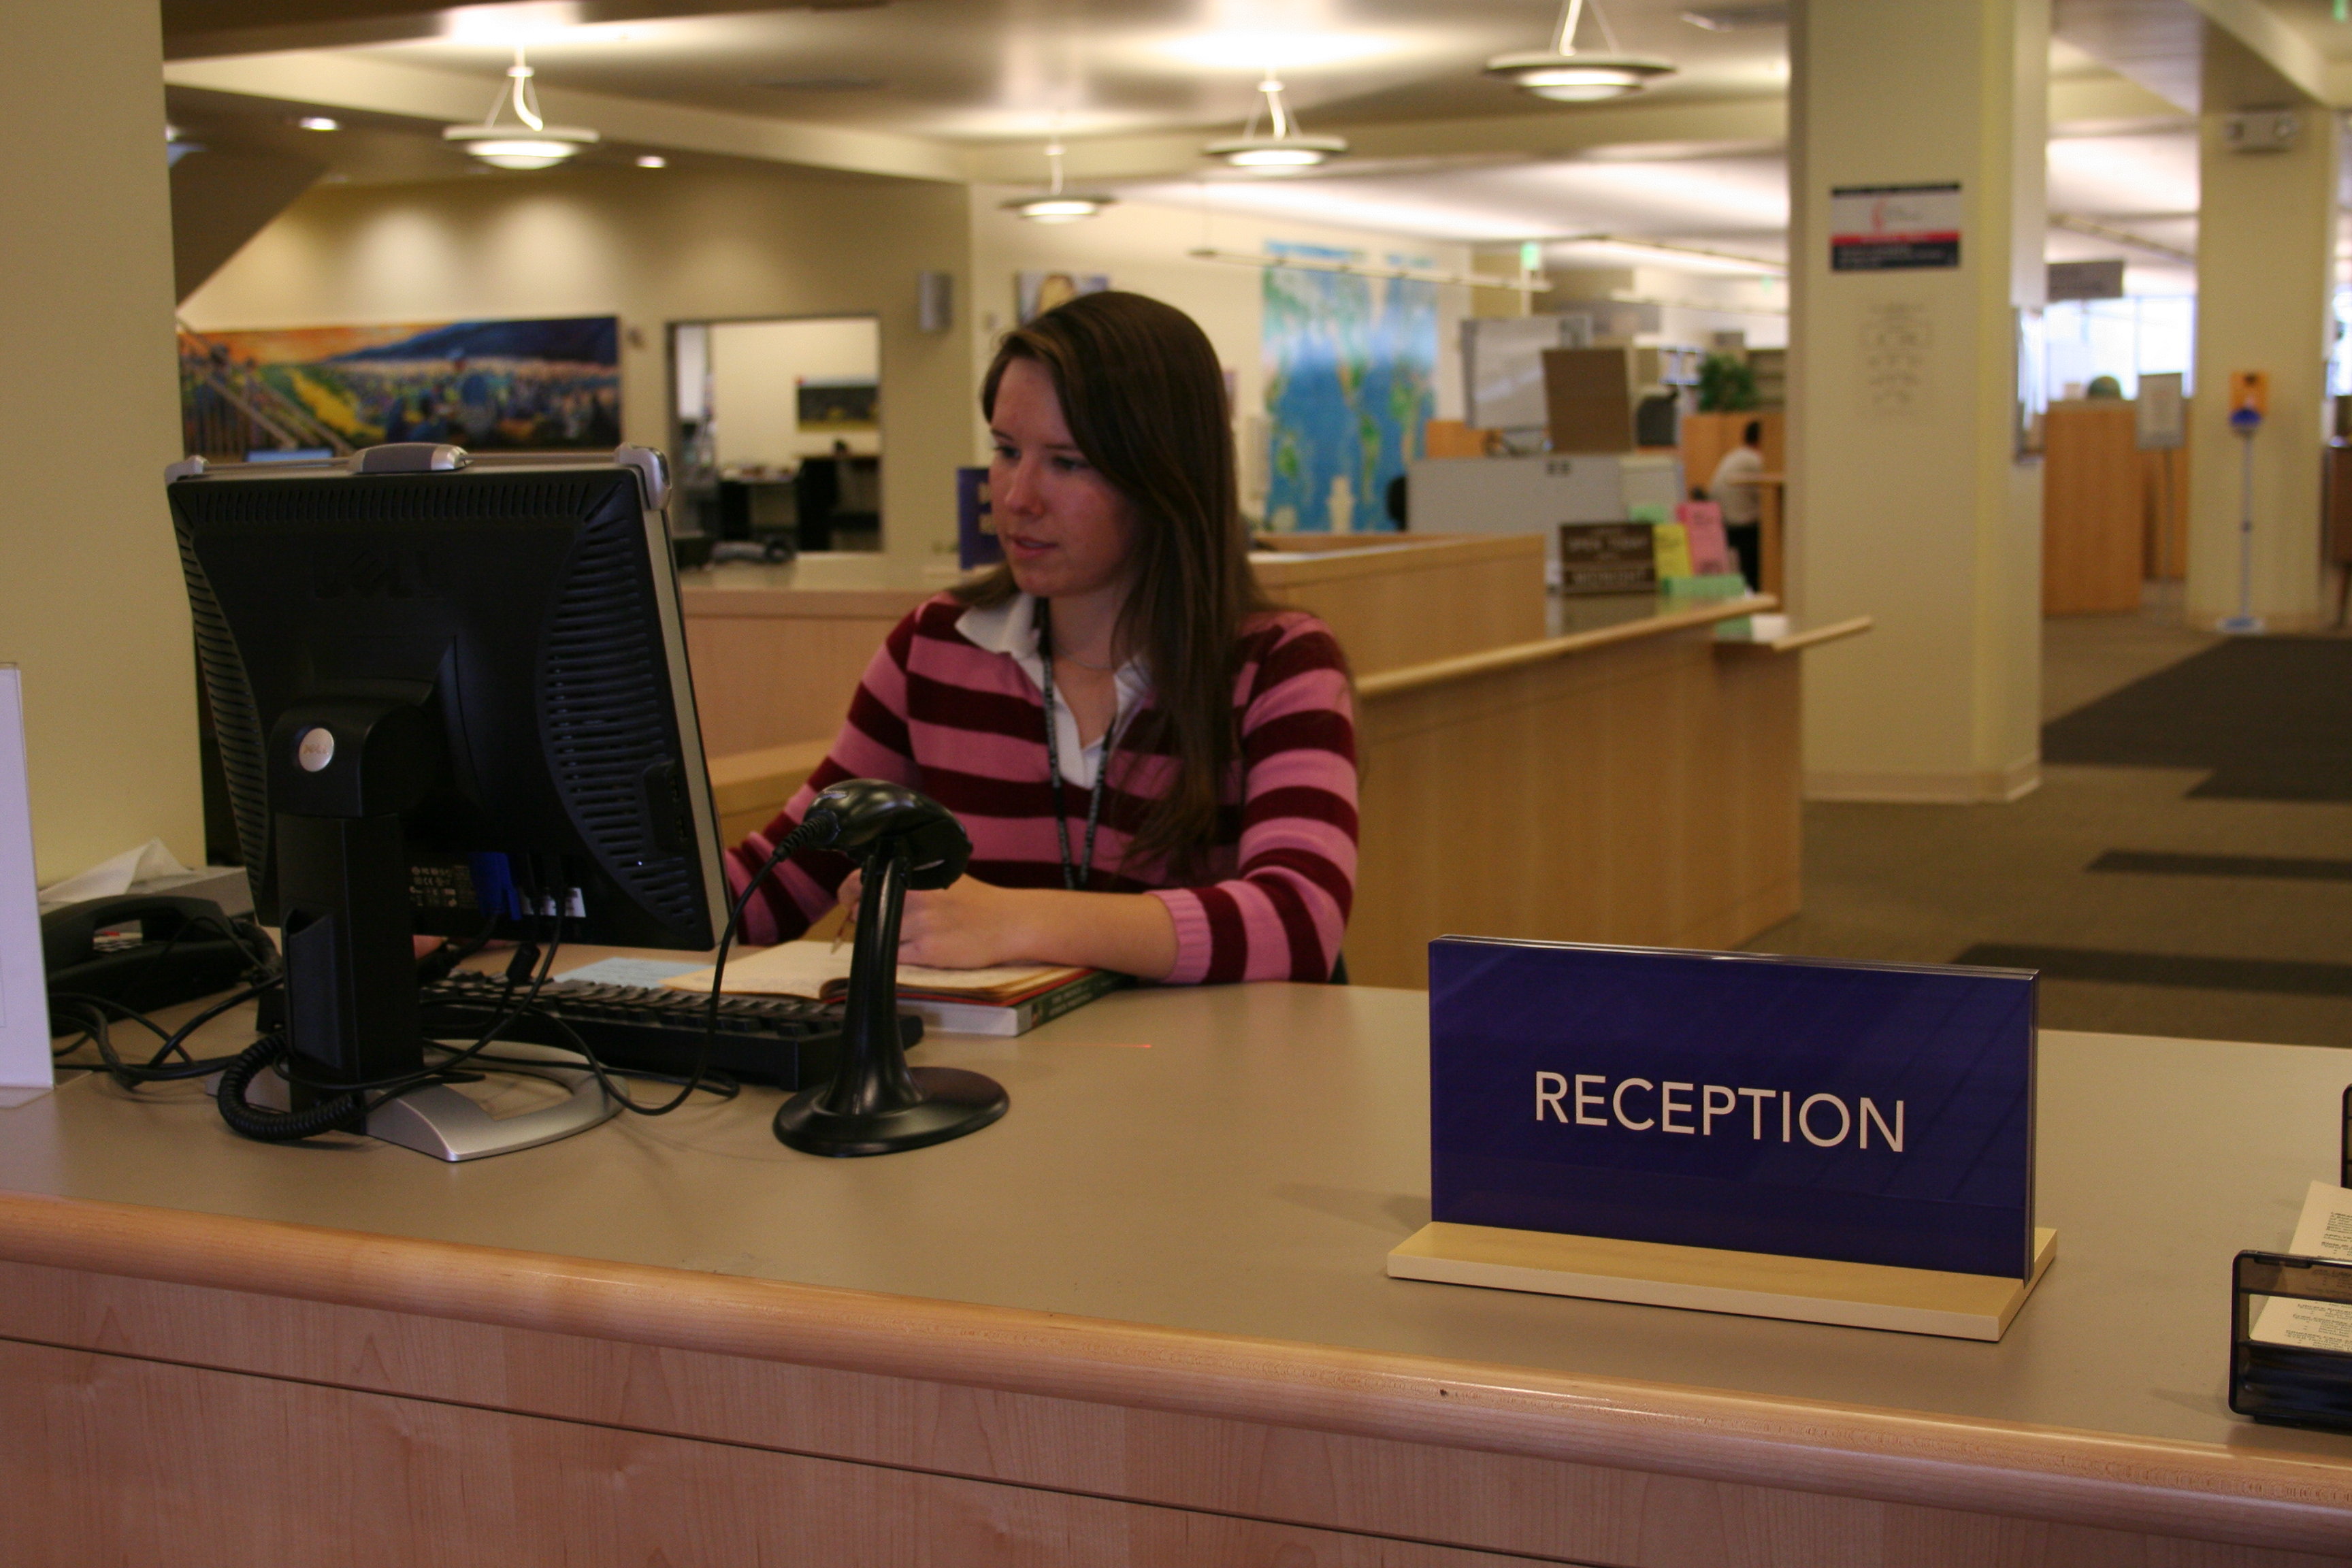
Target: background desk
1143, 1320
778, 650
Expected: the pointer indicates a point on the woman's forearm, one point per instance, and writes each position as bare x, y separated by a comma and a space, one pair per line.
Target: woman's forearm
1130, 933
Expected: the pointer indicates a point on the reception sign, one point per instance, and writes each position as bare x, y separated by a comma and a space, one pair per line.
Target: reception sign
1867, 1113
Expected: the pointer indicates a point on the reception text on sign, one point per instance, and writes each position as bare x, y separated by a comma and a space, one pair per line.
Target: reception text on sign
1870, 1113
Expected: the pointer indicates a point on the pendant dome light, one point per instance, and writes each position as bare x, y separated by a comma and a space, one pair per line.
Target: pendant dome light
531, 145
1286, 148
1566, 76
1057, 205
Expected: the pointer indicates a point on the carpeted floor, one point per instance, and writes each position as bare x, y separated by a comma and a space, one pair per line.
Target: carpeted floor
2193, 884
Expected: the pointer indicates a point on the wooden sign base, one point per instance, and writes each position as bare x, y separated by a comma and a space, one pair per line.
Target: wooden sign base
1752, 1284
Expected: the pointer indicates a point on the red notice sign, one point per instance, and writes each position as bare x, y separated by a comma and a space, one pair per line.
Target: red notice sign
1881, 228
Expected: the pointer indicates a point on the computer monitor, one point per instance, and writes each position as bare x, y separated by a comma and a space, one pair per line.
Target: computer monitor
451, 697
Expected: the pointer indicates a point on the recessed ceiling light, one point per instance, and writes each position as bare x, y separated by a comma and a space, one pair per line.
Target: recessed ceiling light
652, 161
1565, 76
1732, 18
1258, 50
319, 122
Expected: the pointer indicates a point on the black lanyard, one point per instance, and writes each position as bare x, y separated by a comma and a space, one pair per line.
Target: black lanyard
1070, 877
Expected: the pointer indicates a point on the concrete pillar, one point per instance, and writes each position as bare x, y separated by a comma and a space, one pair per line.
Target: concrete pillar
1908, 503
2266, 275
91, 604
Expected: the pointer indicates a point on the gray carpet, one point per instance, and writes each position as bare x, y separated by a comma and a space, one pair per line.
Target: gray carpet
2270, 717
2149, 907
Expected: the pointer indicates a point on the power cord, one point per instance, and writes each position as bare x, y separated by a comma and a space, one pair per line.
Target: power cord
351, 1103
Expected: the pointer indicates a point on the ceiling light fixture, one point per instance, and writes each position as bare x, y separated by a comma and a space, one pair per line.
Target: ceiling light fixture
1566, 76
652, 161
1057, 205
1286, 148
319, 122
532, 144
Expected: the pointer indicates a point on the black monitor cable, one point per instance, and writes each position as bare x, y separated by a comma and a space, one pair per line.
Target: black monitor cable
350, 1103
822, 827
94, 1014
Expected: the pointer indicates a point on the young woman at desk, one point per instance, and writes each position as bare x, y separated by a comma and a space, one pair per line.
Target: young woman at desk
1157, 767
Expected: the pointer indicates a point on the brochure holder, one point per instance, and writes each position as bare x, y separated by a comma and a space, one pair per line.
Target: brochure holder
2284, 1383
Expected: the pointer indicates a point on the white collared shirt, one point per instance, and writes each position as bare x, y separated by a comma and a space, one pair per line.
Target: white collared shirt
1011, 629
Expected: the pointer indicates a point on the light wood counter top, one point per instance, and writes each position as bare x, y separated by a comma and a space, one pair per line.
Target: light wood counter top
1197, 1228
1605, 622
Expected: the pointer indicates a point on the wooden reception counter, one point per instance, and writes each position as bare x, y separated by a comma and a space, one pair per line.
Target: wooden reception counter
1628, 779
1143, 1320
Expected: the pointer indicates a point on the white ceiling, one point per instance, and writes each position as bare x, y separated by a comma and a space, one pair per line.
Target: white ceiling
983, 72
979, 69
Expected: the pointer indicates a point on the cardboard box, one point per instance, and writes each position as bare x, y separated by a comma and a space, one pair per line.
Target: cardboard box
1589, 395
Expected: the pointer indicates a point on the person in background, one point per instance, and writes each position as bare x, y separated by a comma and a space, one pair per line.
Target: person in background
1156, 767
1733, 489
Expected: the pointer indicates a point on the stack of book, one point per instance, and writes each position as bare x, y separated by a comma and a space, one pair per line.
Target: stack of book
1012, 999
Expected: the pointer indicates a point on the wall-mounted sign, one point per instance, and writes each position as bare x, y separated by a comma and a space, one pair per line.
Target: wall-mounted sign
2162, 412
1868, 1113
1882, 228
2086, 279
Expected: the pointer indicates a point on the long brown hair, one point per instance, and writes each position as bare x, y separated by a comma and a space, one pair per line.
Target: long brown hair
1144, 397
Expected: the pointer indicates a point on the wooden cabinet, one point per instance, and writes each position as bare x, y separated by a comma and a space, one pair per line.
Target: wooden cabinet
2093, 524
1708, 437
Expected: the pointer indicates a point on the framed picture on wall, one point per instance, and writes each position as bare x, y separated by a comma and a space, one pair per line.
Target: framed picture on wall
1035, 293
838, 403
551, 385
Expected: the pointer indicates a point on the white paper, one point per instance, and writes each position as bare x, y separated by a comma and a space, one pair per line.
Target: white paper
648, 974
2324, 1231
113, 878
801, 969
24, 983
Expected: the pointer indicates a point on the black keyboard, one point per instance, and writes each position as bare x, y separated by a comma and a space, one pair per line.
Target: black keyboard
781, 1040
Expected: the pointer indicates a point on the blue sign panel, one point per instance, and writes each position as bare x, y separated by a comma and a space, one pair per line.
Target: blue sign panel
1871, 1113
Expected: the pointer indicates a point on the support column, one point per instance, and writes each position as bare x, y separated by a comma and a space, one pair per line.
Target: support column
91, 604
1907, 498
2266, 275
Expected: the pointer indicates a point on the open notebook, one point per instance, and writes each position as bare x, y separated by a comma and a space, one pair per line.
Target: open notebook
1008, 1000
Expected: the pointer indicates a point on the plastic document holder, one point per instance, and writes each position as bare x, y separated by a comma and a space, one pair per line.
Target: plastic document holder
2288, 1384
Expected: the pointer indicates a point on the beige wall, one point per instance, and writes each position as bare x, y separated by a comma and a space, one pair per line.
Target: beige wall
2265, 272
1142, 247
1907, 500
652, 246
756, 370
91, 604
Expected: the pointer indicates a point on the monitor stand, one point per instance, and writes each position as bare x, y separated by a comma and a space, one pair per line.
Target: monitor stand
342, 770
448, 1124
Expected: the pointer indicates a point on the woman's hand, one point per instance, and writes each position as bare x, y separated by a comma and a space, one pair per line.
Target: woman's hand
970, 925
973, 925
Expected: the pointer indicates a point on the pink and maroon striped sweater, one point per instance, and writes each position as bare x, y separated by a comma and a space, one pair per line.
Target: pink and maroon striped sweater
964, 723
